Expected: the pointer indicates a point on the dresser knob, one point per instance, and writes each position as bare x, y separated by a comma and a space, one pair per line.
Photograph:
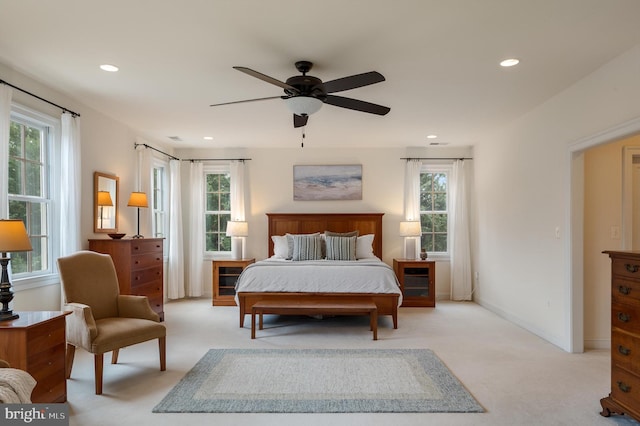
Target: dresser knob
631, 268
624, 387
624, 351
624, 290
624, 317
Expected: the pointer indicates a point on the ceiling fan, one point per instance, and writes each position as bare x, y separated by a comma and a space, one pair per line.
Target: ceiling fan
305, 94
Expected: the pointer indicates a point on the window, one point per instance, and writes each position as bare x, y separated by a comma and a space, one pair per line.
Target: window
159, 202
217, 209
434, 209
29, 191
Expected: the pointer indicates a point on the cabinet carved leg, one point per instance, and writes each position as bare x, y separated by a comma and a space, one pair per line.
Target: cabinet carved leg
609, 407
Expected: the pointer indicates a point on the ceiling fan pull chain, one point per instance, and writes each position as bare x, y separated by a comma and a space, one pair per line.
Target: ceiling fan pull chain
303, 136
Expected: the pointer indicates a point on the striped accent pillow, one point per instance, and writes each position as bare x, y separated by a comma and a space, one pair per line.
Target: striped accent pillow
307, 247
341, 248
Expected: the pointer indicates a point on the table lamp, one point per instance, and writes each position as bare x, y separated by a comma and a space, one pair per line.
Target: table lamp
13, 238
237, 230
138, 199
410, 230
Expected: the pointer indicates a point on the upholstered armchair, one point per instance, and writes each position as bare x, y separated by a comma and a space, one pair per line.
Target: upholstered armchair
103, 320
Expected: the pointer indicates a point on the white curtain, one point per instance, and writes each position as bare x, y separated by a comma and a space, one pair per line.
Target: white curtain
412, 196
70, 185
237, 197
175, 275
5, 121
196, 240
461, 278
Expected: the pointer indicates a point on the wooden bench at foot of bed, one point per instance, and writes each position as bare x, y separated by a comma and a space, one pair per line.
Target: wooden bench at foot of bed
386, 303
284, 307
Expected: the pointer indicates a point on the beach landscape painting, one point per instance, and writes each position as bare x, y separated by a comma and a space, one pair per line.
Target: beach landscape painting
332, 182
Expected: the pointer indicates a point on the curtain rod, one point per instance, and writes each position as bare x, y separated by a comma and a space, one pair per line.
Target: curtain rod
193, 160
438, 158
75, 114
135, 145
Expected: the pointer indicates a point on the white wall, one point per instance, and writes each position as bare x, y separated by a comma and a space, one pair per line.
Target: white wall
523, 194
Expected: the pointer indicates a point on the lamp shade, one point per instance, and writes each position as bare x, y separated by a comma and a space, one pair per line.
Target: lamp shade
13, 236
138, 199
303, 105
410, 229
104, 198
237, 229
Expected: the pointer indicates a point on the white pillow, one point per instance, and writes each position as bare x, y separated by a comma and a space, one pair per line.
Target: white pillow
280, 246
364, 247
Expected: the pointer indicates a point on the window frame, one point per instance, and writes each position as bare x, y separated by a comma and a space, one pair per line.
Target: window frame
30, 280
161, 164
446, 168
207, 170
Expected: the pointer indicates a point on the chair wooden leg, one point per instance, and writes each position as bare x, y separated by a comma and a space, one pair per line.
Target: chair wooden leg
114, 356
162, 346
71, 351
98, 366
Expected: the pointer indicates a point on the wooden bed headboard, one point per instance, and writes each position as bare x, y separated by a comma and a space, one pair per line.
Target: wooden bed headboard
307, 223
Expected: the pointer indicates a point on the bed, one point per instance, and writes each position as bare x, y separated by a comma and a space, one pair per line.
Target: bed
365, 280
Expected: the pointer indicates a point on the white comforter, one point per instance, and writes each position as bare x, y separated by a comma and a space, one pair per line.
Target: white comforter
319, 276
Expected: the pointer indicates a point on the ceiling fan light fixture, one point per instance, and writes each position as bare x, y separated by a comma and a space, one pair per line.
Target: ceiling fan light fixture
303, 105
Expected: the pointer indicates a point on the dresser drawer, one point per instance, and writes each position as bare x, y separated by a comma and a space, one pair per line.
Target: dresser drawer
156, 302
626, 267
625, 351
625, 317
625, 291
142, 246
146, 260
625, 387
143, 276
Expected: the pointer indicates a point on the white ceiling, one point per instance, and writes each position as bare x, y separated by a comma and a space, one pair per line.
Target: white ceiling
440, 59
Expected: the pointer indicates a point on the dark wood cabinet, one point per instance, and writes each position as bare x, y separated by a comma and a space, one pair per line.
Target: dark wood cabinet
225, 275
139, 266
36, 343
625, 335
417, 281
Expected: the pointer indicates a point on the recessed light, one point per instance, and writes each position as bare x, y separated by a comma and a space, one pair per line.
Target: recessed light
109, 68
510, 62
432, 136
208, 138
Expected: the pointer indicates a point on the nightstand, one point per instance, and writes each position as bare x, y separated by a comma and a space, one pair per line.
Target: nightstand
417, 281
36, 343
225, 275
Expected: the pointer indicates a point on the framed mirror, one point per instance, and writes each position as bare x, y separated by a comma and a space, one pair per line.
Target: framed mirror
105, 203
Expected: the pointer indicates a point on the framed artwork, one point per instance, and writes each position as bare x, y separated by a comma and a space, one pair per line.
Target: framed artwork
332, 182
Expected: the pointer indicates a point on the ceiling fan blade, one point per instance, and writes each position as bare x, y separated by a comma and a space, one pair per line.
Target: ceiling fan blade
266, 78
247, 100
300, 120
356, 104
353, 81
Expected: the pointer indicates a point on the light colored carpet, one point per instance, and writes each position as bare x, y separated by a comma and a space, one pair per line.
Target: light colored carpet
318, 381
518, 378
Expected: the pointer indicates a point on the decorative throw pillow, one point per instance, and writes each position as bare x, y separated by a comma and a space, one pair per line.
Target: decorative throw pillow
341, 248
341, 234
280, 247
290, 242
307, 247
364, 247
